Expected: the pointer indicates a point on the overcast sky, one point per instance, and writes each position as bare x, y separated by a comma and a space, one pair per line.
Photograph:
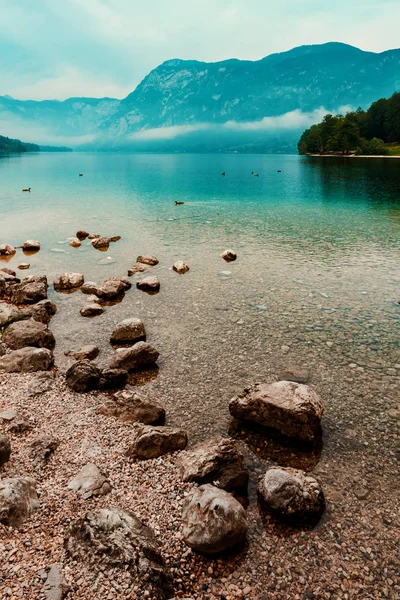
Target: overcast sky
64, 48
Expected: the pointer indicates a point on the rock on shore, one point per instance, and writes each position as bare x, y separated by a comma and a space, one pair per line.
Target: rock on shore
18, 500
139, 356
293, 409
213, 520
150, 441
132, 406
129, 331
28, 333
68, 281
27, 360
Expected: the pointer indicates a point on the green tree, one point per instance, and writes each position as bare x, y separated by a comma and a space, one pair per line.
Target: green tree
345, 137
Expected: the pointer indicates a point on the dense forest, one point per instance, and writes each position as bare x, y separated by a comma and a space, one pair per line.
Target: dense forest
375, 131
8, 146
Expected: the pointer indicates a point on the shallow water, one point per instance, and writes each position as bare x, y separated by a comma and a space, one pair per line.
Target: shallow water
316, 283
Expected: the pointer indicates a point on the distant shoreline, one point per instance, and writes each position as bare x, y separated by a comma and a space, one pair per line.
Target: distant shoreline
354, 155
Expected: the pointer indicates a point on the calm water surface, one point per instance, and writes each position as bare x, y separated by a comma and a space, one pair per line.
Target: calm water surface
316, 283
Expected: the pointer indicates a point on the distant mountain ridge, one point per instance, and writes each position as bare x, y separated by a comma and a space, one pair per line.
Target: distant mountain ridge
182, 97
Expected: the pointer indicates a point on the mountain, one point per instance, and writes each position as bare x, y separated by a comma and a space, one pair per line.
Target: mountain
230, 105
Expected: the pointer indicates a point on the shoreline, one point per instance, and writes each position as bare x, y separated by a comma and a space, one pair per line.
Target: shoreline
352, 156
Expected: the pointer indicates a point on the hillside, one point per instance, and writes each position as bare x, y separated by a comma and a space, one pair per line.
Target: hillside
10, 146
232, 103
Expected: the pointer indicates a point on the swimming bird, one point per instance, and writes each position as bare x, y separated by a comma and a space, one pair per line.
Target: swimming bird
256, 175
80, 174
223, 173
176, 203
279, 171
27, 190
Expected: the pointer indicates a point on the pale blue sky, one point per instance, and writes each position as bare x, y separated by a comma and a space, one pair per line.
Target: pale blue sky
63, 48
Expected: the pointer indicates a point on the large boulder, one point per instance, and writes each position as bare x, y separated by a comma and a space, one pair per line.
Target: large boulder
5, 449
68, 281
129, 331
111, 538
213, 520
31, 246
27, 360
293, 409
149, 284
139, 356
30, 290
147, 260
18, 500
291, 494
148, 441
217, 461
90, 481
28, 333
83, 376
133, 406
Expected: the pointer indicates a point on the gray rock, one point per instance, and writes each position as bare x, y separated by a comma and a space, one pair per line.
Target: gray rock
291, 494
31, 246
68, 281
28, 333
113, 538
147, 260
180, 267
139, 356
83, 376
89, 287
217, 461
27, 360
9, 414
291, 408
129, 331
55, 586
148, 441
229, 255
89, 352
18, 500
43, 311
30, 290
213, 520
113, 379
149, 284
90, 481
3, 348
133, 406
42, 448
5, 449
41, 384
92, 310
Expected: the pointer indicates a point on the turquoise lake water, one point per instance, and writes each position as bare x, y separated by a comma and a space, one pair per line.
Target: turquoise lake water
316, 283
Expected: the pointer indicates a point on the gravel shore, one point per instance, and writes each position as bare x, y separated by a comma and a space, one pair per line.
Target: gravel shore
351, 553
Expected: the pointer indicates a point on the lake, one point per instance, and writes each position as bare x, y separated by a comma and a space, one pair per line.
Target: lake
315, 285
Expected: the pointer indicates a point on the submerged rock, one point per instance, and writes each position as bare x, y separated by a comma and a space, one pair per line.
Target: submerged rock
75, 243
291, 494
113, 538
112, 288
92, 310
180, 267
147, 260
31, 246
139, 356
18, 500
138, 268
229, 255
28, 333
68, 281
90, 481
293, 409
113, 379
83, 376
152, 441
129, 331
89, 287
27, 360
213, 520
134, 406
149, 284
293, 374
217, 461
